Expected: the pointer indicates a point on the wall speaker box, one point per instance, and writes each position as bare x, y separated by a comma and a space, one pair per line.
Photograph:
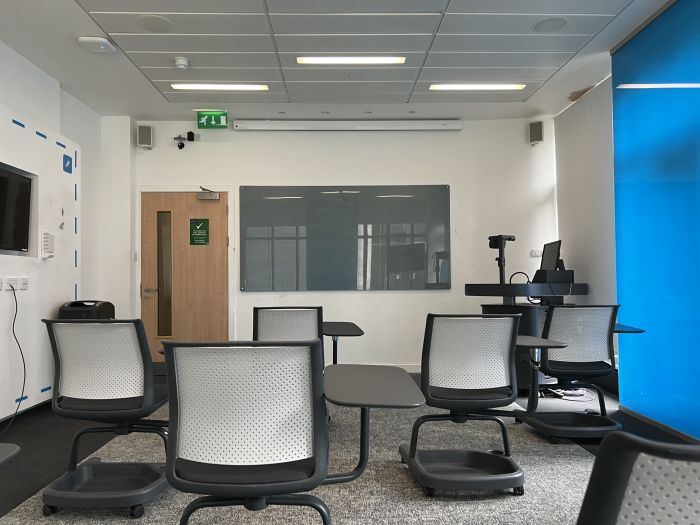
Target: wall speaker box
144, 137
536, 132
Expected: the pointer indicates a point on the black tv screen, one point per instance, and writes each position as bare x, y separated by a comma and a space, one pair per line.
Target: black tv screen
15, 199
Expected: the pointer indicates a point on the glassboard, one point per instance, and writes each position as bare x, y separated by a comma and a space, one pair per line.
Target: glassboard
298, 238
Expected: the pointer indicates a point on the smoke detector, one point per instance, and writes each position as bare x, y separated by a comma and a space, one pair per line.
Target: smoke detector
97, 44
182, 63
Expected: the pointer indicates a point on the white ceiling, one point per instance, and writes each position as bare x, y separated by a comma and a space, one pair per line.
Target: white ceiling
258, 41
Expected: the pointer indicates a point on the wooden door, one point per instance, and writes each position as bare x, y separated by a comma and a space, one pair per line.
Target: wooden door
184, 268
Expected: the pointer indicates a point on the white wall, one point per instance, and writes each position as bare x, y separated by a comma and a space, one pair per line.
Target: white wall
499, 184
585, 192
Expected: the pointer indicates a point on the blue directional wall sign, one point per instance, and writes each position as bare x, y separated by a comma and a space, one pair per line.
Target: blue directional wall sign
67, 163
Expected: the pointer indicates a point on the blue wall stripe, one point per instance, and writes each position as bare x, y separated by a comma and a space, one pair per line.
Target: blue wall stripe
18, 123
20, 399
75, 158
40, 134
60, 145
76, 192
75, 292
75, 222
75, 257
46, 389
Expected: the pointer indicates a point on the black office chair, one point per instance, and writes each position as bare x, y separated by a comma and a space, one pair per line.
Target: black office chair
638, 481
588, 332
287, 323
103, 372
248, 424
468, 368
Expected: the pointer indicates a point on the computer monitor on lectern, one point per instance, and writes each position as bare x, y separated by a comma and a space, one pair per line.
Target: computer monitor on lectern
550, 255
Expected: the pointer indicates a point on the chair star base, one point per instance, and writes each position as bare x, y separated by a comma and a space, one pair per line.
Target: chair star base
570, 425
463, 470
95, 485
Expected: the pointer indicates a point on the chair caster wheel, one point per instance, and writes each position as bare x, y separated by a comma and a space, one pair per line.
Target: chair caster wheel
48, 510
430, 492
519, 491
136, 511
518, 421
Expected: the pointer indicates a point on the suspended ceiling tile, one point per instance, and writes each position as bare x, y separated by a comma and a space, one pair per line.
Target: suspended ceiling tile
194, 43
150, 59
356, 6
274, 87
214, 74
188, 23
606, 7
352, 43
175, 6
487, 74
497, 59
355, 23
356, 88
474, 24
225, 97
349, 98
350, 74
289, 60
500, 43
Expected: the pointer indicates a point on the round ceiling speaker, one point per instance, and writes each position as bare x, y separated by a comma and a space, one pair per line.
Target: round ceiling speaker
155, 23
550, 25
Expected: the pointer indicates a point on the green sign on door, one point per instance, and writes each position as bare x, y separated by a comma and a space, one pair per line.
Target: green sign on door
212, 119
199, 232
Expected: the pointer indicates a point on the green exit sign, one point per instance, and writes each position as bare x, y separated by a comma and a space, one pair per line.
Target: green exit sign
212, 119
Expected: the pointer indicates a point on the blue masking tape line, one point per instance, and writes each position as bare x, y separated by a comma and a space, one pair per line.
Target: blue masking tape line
60, 145
45, 389
20, 399
40, 134
18, 123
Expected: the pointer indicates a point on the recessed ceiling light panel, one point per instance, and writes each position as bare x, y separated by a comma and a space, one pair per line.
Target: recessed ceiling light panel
155, 23
350, 60
550, 25
477, 87
97, 44
200, 86
677, 85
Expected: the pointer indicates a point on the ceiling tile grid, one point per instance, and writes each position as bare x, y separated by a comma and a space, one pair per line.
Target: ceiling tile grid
443, 41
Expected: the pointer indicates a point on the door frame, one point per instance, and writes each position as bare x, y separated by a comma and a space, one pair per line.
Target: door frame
136, 246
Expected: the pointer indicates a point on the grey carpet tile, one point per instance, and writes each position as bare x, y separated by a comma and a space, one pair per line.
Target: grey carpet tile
556, 478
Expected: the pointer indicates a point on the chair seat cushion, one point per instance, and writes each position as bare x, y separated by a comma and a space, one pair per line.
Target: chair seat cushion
471, 395
244, 474
586, 366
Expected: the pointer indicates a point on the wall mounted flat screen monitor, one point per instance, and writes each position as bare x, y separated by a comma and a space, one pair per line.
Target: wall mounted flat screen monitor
297, 238
550, 255
15, 199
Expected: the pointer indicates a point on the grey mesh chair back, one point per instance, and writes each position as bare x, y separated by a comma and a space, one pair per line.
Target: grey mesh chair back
588, 332
469, 361
105, 363
240, 410
636, 481
288, 323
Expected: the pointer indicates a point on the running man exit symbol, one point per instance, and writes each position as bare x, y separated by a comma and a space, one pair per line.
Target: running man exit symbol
212, 119
67, 163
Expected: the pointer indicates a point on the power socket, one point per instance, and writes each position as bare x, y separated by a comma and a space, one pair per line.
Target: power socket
11, 282
24, 283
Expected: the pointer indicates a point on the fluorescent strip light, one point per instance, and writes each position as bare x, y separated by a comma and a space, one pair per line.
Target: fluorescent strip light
685, 85
477, 87
199, 86
395, 196
347, 125
338, 191
350, 60
280, 198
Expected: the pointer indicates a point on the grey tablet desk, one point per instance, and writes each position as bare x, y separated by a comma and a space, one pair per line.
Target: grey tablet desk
368, 386
337, 329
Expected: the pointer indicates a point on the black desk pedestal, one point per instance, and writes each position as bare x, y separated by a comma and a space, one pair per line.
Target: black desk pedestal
531, 323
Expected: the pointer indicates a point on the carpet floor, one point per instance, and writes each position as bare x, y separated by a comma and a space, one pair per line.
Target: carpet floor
556, 479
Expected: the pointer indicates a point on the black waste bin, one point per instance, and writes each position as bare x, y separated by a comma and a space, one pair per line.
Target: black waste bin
86, 310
